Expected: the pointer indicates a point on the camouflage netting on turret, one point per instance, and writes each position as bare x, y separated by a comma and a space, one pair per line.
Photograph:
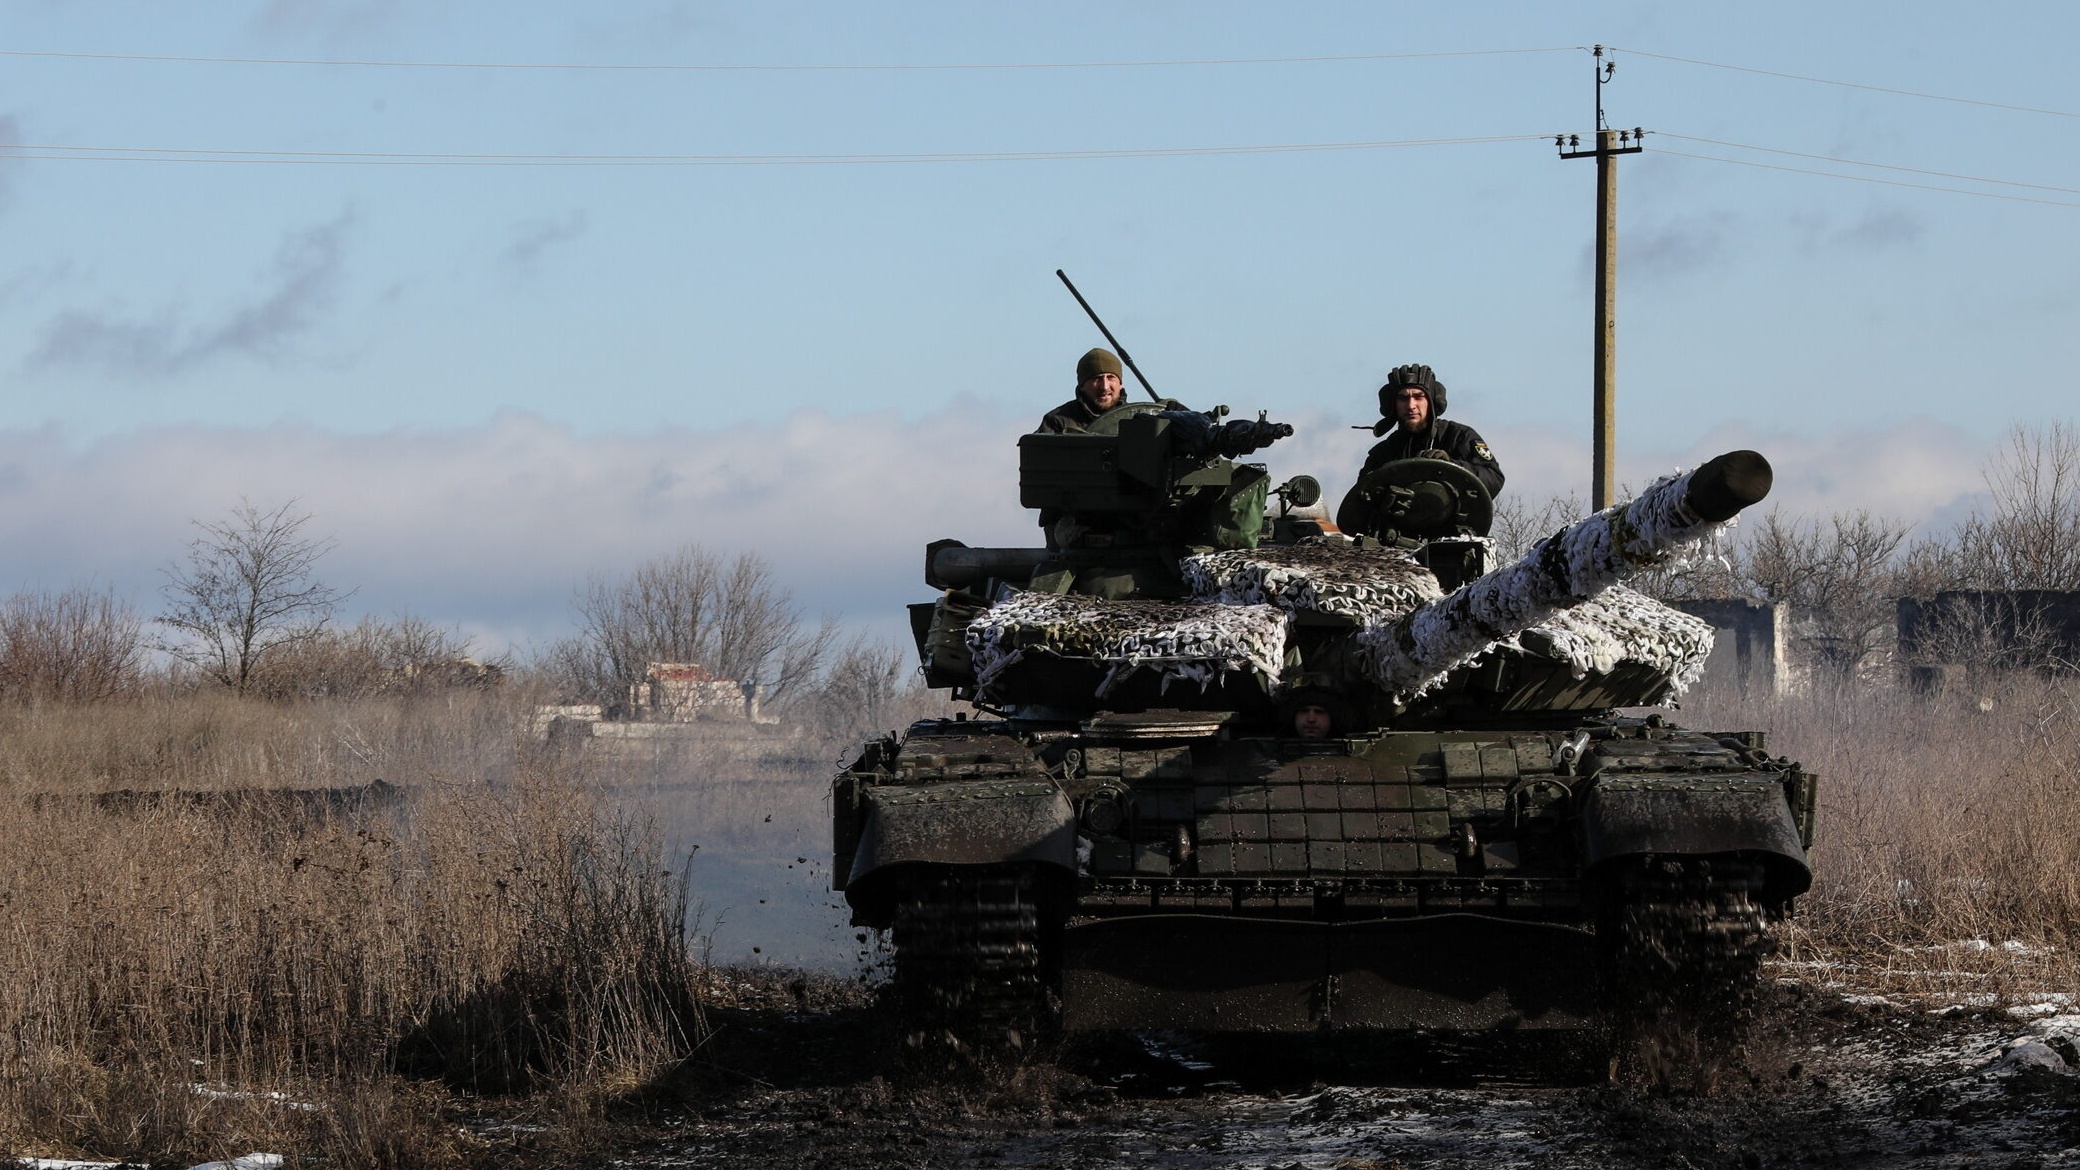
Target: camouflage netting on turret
1314, 576
1188, 641
1414, 654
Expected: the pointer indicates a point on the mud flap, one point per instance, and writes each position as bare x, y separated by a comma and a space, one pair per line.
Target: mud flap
1633, 817
1222, 974
966, 823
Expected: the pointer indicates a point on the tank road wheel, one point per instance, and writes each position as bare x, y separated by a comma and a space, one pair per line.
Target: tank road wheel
1684, 940
969, 972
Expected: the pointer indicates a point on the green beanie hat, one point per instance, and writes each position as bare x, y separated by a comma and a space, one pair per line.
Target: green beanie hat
1097, 361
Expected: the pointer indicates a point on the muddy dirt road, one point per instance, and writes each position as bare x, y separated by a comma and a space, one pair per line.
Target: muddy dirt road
1827, 1081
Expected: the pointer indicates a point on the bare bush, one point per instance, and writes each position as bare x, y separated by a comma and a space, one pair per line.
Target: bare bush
730, 617
1988, 632
399, 655
871, 687
245, 591
77, 645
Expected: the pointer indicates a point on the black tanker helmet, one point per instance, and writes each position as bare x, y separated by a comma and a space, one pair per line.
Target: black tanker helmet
1421, 377
1312, 689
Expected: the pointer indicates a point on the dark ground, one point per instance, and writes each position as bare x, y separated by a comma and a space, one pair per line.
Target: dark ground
801, 1073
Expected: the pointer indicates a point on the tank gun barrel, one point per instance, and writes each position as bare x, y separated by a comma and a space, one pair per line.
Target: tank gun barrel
1564, 570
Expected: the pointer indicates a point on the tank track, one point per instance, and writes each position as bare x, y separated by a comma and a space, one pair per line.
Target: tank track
1684, 949
1690, 922
968, 970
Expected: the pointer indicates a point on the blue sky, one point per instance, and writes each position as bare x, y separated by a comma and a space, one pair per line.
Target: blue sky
488, 381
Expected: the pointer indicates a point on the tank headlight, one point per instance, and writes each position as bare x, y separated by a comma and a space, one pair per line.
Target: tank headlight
1102, 812
1301, 491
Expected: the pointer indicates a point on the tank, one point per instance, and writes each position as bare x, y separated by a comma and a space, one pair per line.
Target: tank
1242, 767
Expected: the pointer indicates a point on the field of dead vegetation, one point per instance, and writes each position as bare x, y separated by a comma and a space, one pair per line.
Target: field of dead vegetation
495, 959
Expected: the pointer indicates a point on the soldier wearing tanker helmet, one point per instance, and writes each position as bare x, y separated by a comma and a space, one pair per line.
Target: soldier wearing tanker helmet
1412, 403
1098, 390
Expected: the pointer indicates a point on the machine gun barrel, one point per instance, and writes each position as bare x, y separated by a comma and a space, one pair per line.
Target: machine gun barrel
1117, 347
1564, 570
1204, 435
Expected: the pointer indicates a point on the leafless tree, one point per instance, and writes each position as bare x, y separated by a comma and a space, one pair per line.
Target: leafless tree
870, 687
2031, 537
1520, 524
690, 606
402, 655
77, 645
245, 591
1840, 578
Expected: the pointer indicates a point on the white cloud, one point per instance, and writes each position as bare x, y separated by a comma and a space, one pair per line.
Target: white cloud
492, 527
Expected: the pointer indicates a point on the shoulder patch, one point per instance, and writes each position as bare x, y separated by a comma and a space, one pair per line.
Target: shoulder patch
1481, 452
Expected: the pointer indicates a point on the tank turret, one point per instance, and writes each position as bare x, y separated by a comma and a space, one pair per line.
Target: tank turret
1223, 628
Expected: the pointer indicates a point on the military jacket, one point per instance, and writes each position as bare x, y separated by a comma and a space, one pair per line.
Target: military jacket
1070, 417
1461, 444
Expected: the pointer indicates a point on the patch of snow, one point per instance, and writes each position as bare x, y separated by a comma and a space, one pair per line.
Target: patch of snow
1170, 1047
255, 1161
219, 1093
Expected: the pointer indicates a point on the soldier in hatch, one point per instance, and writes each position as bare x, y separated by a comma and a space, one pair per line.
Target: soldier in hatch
1311, 709
1412, 402
1098, 389
1313, 721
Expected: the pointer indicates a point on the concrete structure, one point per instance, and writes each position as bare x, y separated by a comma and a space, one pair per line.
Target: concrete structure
1956, 631
683, 692
547, 716
1749, 651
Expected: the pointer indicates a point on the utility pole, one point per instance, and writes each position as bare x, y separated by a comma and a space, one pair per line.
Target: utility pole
1609, 145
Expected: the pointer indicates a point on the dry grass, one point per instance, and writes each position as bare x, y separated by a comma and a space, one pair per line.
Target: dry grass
185, 980
1948, 852
182, 979
210, 740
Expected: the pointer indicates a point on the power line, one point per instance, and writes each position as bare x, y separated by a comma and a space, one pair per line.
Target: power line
386, 158
1933, 97
1742, 162
1875, 166
580, 66
922, 67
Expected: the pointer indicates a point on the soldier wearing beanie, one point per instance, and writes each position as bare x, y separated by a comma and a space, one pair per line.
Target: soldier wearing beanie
1411, 403
1098, 390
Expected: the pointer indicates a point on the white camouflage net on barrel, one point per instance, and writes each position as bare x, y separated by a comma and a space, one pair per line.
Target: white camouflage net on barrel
1178, 640
1412, 654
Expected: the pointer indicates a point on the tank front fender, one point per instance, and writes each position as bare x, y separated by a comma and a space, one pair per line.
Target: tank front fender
972, 822
1697, 816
